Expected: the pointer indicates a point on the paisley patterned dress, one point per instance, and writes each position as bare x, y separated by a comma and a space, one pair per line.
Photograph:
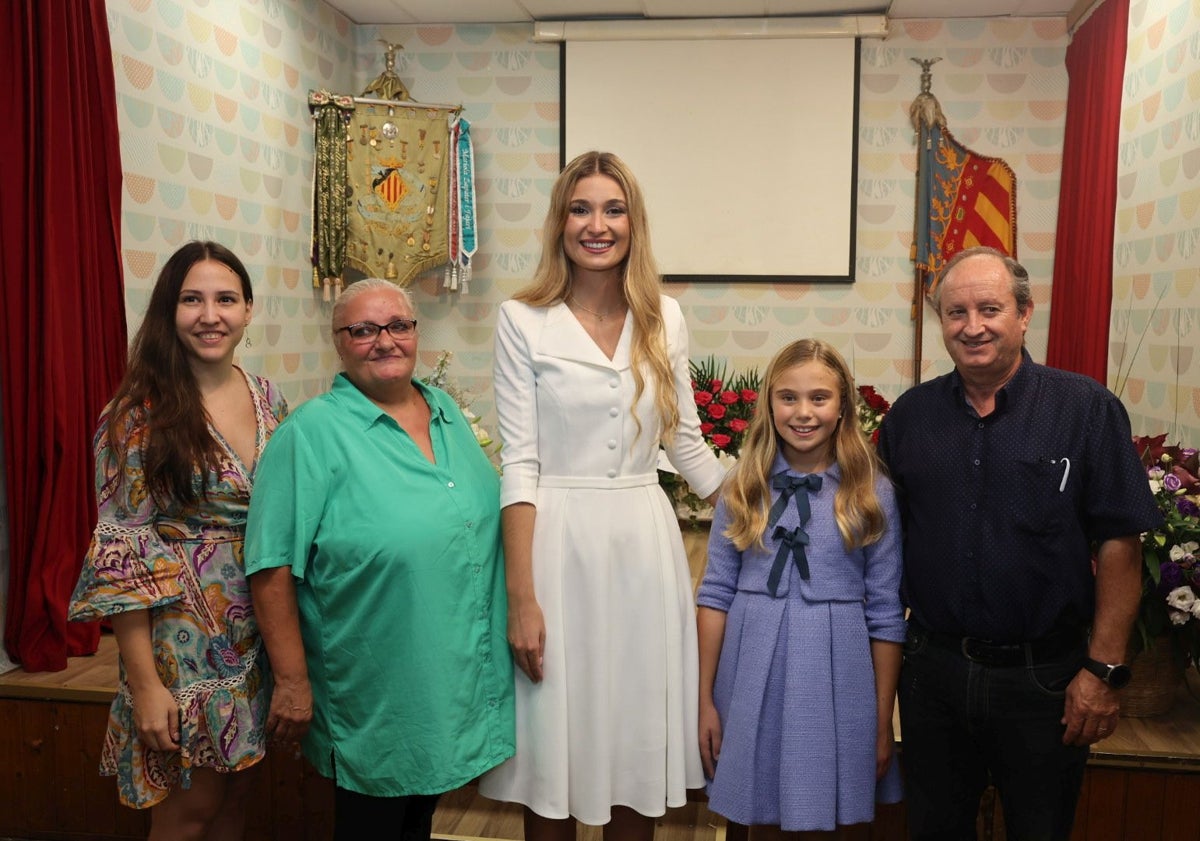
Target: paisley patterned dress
184, 565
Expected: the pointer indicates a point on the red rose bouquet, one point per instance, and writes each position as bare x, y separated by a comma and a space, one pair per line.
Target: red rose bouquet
872, 406
725, 404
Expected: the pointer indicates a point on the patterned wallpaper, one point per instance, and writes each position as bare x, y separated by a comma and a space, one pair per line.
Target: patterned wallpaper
216, 143
1153, 360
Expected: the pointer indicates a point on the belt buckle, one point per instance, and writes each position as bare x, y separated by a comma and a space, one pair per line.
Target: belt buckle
971, 650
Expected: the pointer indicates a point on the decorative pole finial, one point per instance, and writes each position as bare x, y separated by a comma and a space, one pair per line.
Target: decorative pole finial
389, 55
926, 74
387, 85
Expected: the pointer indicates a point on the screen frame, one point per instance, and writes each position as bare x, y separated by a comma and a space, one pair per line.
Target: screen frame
787, 189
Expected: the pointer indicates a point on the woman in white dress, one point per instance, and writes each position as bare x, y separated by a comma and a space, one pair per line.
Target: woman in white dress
591, 377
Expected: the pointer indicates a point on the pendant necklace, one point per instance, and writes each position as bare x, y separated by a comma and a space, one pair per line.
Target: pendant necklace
598, 316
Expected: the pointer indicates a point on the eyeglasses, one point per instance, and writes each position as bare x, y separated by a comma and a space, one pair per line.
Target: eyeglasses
365, 332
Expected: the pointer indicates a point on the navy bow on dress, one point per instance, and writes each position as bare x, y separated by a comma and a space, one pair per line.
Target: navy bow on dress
793, 541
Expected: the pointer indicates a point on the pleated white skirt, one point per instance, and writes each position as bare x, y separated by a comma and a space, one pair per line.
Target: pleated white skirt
614, 721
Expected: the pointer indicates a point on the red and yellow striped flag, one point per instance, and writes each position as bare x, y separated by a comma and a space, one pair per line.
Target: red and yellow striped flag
964, 199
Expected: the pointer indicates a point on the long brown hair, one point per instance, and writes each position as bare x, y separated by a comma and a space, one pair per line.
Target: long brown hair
747, 493
641, 284
159, 390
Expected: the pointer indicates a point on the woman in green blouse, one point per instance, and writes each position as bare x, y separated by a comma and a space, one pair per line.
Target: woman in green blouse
373, 550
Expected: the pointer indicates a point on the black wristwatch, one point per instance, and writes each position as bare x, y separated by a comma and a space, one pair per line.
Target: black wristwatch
1115, 675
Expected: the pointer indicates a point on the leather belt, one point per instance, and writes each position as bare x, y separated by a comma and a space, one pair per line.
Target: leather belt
1007, 654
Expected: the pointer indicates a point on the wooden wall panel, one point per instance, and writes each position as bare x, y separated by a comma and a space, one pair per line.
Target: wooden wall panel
1181, 796
51, 790
71, 773
1105, 806
50, 785
37, 788
11, 774
1144, 795
297, 801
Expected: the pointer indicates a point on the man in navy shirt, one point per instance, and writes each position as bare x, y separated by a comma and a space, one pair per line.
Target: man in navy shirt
1022, 500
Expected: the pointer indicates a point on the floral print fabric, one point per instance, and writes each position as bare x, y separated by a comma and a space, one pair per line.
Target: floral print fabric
184, 564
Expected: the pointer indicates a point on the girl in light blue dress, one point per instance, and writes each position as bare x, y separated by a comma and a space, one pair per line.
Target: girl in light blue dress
800, 622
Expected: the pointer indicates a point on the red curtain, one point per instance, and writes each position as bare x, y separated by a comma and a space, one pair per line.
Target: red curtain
62, 323
1081, 295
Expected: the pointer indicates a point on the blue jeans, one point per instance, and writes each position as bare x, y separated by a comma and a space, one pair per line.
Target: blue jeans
964, 724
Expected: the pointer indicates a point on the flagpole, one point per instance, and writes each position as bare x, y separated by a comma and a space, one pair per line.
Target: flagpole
918, 308
924, 113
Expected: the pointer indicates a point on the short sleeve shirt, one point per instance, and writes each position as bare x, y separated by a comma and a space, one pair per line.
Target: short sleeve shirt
1002, 513
400, 585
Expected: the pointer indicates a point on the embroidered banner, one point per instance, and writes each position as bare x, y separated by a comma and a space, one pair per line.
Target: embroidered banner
331, 113
462, 207
397, 175
964, 199
465, 156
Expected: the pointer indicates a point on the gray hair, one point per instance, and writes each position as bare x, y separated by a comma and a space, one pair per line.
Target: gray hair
360, 287
1017, 273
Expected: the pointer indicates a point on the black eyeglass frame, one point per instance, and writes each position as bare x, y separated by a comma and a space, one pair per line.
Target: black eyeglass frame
408, 328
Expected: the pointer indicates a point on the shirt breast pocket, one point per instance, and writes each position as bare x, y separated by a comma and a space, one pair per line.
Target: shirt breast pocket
1041, 500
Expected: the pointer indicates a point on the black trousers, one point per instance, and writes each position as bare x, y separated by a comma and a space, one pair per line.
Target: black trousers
361, 817
964, 723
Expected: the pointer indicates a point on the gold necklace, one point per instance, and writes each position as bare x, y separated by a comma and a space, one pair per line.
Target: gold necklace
598, 316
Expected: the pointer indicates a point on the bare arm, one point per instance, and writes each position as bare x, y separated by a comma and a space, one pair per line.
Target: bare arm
155, 710
526, 625
710, 628
274, 594
1091, 705
885, 659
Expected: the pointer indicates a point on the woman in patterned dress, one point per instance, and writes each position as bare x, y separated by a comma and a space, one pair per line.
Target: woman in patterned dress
176, 451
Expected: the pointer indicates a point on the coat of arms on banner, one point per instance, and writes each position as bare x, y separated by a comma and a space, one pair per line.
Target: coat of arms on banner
388, 178
397, 176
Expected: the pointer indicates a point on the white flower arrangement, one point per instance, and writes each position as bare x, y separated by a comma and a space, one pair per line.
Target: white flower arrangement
440, 379
1171, 553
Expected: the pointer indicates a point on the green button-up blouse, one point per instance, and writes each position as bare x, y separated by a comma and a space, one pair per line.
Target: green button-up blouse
400, 585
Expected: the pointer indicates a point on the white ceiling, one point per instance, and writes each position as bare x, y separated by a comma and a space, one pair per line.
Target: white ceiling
522, 11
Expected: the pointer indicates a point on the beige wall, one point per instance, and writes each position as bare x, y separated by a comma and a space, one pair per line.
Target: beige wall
216, 143
1153, 359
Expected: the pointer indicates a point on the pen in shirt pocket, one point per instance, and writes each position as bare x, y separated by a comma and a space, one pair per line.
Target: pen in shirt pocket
1066, 463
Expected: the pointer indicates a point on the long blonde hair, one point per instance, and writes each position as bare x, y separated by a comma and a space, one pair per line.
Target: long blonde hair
640, 287
747, 492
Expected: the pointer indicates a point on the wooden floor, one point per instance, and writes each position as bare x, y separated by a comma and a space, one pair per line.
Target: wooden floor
464, 814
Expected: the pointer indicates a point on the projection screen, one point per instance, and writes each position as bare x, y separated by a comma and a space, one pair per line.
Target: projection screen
746, 149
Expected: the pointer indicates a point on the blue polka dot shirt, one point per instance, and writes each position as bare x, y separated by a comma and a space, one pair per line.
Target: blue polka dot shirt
1001, 513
